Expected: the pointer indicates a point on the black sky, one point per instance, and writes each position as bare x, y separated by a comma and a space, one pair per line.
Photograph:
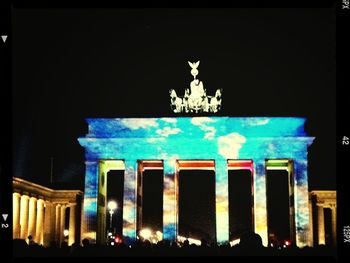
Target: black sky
71, 64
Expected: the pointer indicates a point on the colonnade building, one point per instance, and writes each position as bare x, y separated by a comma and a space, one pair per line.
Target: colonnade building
220, 144
323, 217
45, 214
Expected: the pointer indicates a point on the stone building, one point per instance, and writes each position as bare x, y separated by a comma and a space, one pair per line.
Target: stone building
259, 144
323, 205
45, 214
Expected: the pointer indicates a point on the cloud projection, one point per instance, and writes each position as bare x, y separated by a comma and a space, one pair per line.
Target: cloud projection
195, 138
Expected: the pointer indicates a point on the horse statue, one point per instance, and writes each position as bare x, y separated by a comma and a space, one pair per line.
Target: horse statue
175, 101
215, 102
195, 98
185, 100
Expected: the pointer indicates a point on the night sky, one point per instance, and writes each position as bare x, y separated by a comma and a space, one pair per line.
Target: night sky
69, 65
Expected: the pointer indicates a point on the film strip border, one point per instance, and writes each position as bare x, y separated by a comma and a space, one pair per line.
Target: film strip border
343, 131
6, 130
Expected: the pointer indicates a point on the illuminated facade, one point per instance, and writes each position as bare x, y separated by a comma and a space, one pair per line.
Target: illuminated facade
40, 212
217, 143
319, 201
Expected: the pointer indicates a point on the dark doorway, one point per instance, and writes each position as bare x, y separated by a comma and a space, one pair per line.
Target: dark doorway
328, 226
152, 200
277, 193
197, 204
115, 192
240, 203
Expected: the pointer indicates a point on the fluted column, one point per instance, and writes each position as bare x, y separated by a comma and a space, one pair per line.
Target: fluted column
72, 221
311, 223
49, 223
89, 216
260, 210
39, 221
321, 229
16, 203
57, 223
62, 221
24, 216
301, 199
129, 213
32, 217
334, 224
170, 213
222, 210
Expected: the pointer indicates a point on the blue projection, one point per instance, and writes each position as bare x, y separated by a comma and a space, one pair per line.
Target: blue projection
127, 140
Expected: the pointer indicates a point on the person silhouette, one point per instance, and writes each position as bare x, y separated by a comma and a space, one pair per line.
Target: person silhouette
30, 240
186, 244
250, 240
86, 242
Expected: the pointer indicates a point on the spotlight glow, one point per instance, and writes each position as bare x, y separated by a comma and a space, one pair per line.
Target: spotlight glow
146, 233
112, 205
190, 240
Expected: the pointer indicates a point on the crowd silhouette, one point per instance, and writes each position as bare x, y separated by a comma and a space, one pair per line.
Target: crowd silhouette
250, 245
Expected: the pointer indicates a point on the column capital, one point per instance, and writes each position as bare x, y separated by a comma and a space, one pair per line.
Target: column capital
16, 194
91, 162
33, 198
130, 162
47, 203
259, 160
320, 205
24, 196
221, 158
40, 201
220, 161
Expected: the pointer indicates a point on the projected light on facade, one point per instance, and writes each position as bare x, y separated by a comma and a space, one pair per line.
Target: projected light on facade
121, 143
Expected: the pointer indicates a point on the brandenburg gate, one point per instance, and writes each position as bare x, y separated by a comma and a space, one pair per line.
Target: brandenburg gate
171, 144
